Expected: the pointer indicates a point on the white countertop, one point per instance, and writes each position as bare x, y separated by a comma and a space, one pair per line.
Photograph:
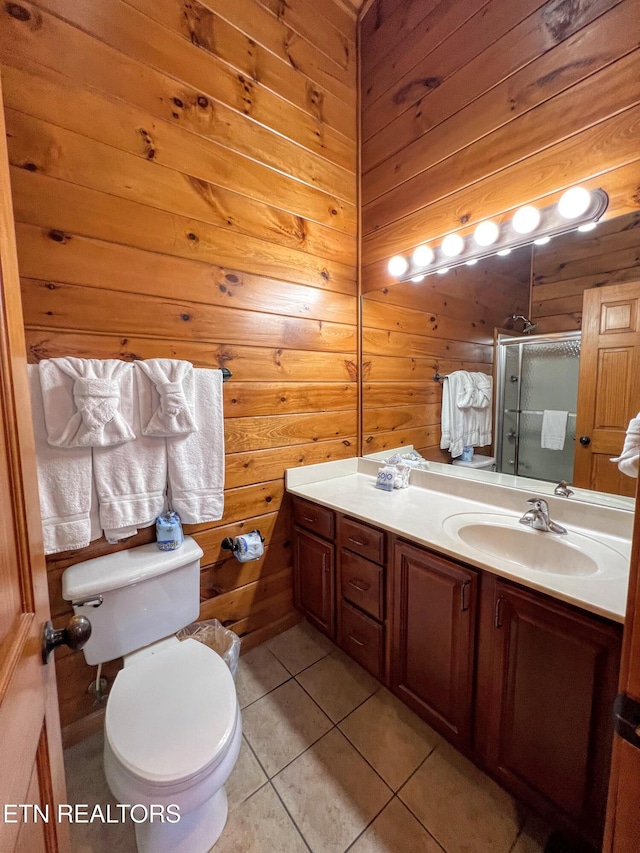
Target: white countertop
420, 515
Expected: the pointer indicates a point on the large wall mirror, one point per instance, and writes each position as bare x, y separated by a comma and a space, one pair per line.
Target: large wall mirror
578, 350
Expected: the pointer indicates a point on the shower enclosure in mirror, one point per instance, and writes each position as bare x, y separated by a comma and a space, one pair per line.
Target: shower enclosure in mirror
537, 375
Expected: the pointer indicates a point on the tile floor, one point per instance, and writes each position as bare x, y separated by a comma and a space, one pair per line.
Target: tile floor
330, 762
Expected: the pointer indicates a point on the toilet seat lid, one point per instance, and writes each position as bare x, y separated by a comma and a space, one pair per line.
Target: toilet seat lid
172, 714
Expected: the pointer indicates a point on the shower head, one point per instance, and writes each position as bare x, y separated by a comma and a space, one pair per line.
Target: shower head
528, 325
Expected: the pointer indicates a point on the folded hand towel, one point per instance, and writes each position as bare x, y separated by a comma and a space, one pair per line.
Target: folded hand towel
630, 456
69, 515
196, 461
165, 396
83, 405
554, 429
130, 478
463, 425
483, 390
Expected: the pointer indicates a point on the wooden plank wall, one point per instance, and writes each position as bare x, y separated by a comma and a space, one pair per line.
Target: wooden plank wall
573, 263
184, 186
470, 110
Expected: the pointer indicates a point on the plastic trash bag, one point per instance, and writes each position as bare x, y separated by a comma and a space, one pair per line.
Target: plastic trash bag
213, 634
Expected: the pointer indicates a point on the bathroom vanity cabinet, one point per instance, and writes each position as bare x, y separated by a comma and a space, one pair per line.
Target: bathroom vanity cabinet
521, 682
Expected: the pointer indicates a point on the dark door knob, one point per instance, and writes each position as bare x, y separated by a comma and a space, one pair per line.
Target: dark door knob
75, 635
585, 440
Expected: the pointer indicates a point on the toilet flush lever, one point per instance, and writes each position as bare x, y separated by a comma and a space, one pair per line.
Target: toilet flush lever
75, 635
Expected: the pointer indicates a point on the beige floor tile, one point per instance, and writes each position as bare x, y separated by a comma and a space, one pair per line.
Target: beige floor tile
331, 793
261, 825
86, 784
283, 724
390, 736
246, 777
395, 830
338, 684
461, 807
300, 646
534, 836
258, 673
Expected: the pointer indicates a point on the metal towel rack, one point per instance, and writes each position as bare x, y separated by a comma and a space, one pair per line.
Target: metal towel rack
437, 377
226, 373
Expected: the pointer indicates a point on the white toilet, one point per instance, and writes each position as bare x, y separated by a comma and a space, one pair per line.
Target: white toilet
172, 725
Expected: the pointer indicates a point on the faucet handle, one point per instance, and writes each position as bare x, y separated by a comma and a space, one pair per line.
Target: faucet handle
563, 490
539, 503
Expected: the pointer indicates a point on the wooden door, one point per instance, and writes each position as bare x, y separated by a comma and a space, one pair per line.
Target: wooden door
609, 385
314, 579
554, 676
31, 770
433, 639
622, 833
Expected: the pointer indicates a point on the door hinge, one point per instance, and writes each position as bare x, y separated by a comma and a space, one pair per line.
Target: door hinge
626, 719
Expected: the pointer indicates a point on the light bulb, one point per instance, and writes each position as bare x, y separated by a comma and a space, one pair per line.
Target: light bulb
443, 270
452, 245
472, 262
423, 256
503, 252
398, 265
542, 241
574, 202
418, 278
588, 227
486, 233
526, 219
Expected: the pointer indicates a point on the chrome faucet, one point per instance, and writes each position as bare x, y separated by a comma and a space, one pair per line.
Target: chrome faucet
563, 490
538, 517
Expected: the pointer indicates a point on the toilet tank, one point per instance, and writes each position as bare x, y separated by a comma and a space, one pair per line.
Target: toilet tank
134, 597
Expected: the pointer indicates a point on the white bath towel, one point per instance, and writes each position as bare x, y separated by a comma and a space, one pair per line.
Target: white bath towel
131, 477
630, 456
69, 514
554, 429
165, 396
196, 461
83, 404
462, 423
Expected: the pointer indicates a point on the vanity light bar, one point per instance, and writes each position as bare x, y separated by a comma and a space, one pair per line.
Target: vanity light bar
577, 208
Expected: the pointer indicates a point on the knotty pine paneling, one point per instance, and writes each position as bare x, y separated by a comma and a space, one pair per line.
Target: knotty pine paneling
573, 263
183, 174
468, 111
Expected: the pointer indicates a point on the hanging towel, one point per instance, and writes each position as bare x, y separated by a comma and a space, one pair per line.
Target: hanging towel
630, 456
463, 423
165, 396
83, 405
131, 477
554, 429
196, 461
68, 510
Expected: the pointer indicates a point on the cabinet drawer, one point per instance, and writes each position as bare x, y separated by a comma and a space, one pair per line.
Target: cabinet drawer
361, 583
362, 638
364, 540
314, 517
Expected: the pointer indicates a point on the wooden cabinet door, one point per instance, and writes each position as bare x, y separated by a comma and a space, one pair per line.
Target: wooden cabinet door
314, 579
609, 385
433, 639
553, 688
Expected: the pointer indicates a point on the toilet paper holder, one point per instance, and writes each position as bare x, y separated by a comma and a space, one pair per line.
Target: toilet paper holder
245, 547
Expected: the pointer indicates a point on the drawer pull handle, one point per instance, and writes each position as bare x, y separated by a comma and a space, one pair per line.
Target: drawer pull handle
310, 519
357, 641
498, 612
356, 541
363, 588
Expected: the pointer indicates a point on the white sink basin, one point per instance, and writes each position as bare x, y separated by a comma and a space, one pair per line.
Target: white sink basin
504, 538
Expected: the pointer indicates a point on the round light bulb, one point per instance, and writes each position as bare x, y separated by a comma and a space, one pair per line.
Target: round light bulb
472, 262
574, 202
418, 278
526, 219
398, 265
503, 252
452, 245
443, 270
423, 256
542, 241
588, 227
486, 233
